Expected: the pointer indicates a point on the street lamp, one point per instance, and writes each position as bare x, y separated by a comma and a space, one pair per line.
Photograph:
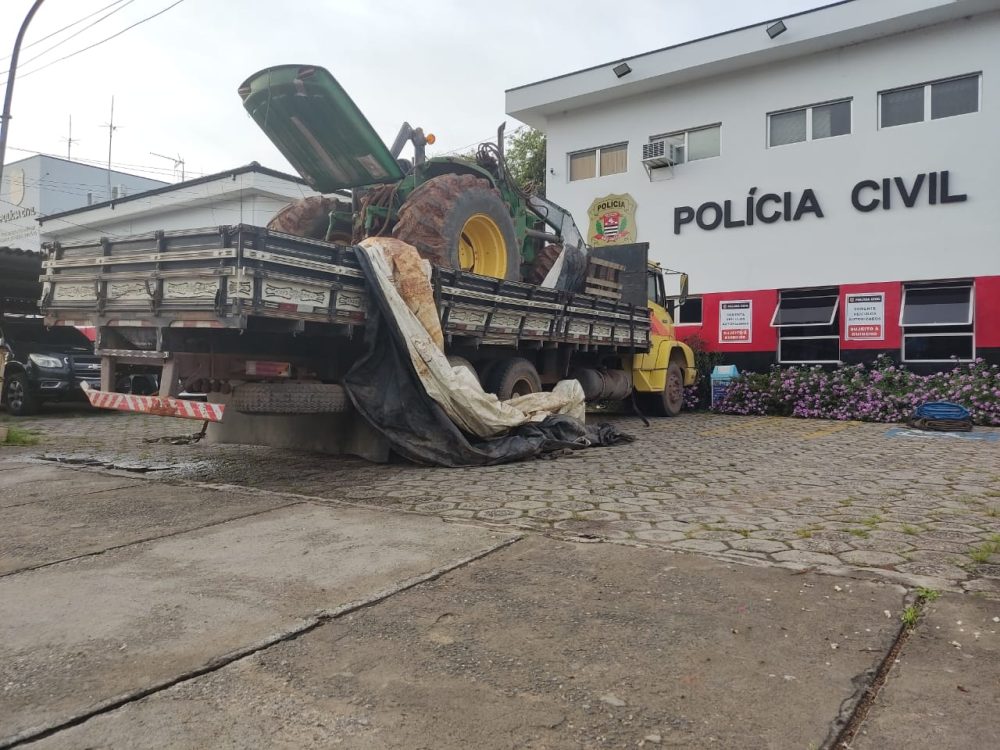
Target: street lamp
5, 118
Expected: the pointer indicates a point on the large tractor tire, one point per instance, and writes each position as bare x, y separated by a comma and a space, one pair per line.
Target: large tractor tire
513, 377
543, 263
669, 401
460, 221
290, 398
310, 218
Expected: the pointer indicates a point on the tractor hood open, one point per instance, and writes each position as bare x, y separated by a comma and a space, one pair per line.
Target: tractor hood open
319, 129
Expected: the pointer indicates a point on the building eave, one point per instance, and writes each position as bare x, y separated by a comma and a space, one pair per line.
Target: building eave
833, 26
137, 202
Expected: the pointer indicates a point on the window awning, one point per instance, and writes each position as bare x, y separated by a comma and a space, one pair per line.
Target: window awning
936, 306
815, 310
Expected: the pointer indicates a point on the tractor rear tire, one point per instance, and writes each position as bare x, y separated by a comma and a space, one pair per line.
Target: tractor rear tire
460, 221
543, 263
310, 218
290, 398
514, 377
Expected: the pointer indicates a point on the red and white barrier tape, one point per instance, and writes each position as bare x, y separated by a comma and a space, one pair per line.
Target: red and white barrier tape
160, 407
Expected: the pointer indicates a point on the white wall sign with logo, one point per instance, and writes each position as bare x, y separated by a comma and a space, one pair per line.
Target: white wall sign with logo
864, 317
735, 321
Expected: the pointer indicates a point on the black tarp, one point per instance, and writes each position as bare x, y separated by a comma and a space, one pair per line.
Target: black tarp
386, 391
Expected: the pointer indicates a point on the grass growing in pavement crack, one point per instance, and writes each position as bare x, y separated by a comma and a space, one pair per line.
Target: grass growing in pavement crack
804, 533
927, 595
873, 520
862, 533
18, 436
911, 530
911, 615
984, 552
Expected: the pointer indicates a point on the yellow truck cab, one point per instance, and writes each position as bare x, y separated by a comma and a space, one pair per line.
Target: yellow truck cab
659, 375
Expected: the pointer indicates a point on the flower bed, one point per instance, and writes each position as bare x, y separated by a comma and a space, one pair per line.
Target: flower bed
881, 392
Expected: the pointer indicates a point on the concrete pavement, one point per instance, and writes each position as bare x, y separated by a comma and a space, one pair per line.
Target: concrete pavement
240, 596
944, 691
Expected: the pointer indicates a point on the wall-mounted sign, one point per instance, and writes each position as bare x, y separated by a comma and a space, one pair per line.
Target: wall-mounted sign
15, 180
612, 221
932, 188
735, 322
864, 317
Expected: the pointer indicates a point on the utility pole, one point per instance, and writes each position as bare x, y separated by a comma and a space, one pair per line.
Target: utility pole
110, 125
70, 140
5, 117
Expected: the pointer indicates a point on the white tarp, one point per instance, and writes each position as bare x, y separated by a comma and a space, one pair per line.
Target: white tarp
403, 277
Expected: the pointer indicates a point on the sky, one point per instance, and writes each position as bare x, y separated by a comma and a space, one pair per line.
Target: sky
440, 64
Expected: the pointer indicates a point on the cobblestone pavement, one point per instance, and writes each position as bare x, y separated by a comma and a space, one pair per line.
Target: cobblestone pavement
837, 497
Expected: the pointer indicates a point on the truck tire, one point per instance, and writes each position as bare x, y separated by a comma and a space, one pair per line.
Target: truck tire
669, 401
543, 263
21, 402
514, 377
456, 361
289, 398
460, 221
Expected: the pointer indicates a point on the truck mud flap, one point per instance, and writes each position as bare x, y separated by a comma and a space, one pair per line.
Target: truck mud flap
155, 405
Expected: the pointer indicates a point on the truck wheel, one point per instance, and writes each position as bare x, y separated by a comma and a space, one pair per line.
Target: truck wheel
456, 361
21, 402
543, 263
669, 401
289, 398
514, 377
460, 221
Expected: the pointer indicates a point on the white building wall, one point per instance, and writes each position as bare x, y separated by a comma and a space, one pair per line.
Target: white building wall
41, 185
247, 198
846, 246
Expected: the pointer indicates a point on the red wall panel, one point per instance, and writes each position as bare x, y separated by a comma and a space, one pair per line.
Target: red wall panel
987, 312
893, 291
763, 337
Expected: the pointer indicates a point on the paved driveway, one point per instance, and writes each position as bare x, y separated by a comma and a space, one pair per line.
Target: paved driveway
834, 496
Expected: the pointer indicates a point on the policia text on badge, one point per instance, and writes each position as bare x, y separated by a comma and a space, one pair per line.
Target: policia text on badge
867, 195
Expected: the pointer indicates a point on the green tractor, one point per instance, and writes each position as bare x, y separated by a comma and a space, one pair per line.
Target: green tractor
458, 213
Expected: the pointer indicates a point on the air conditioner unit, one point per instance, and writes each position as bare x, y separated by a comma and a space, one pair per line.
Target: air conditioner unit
662, 153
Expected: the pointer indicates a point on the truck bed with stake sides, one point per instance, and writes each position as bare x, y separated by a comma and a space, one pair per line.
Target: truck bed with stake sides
221, 307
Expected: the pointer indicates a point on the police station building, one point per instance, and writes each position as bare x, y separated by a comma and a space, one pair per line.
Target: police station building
830, 180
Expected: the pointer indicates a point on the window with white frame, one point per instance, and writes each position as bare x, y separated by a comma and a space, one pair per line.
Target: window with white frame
688, 314
694, 144
809, 123
598, 161
937, 322
930, 101
808, 326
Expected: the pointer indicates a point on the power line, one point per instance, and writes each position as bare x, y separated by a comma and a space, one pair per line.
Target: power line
153, 169
75, 34
102, 41
68, 26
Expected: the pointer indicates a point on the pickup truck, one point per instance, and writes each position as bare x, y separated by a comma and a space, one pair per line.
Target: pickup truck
39, 364
269, 323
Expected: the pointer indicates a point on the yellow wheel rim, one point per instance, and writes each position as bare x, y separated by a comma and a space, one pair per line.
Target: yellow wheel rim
481, 248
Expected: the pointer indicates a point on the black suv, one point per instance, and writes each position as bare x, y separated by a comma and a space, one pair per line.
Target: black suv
43, 364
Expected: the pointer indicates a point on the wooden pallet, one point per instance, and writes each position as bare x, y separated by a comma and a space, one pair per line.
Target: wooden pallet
603, 278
